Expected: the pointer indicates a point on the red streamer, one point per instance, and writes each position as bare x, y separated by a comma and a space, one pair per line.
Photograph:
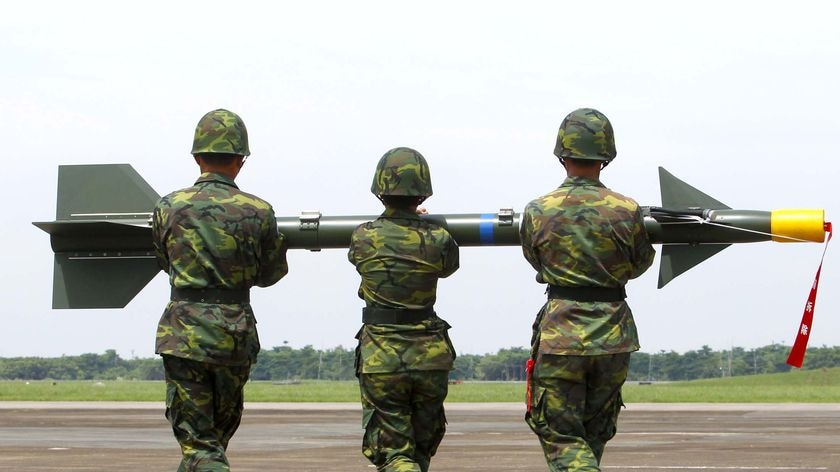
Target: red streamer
529, 369
797, 352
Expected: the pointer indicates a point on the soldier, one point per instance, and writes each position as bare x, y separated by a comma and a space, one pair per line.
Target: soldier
215, 242
586, 242
404, 353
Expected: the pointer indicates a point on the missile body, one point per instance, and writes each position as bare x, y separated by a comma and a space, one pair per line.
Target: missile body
104, 255
315, 232
123, 233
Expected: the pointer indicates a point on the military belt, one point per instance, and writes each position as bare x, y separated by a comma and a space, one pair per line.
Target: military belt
211, 295
587, 294
373, 315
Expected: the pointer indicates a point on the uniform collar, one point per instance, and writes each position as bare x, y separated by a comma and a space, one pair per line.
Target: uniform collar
580, 181
398, 213
216, 177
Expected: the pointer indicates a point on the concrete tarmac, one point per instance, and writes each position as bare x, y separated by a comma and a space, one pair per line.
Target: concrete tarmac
108, 436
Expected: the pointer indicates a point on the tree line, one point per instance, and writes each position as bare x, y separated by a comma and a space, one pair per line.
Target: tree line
285, 363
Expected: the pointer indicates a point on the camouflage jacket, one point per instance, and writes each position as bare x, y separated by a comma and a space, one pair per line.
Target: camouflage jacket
400, 257
212, 235
585, 235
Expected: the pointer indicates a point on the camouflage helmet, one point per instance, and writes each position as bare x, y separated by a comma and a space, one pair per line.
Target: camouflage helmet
586, 134
221, 132
402, 171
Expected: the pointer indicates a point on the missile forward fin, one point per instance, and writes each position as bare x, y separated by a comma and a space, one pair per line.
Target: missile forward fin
677, 259
678, 194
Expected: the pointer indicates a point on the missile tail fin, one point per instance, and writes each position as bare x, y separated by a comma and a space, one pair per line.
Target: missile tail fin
678, 194
100, 282
102, 189
101, 237
678, 258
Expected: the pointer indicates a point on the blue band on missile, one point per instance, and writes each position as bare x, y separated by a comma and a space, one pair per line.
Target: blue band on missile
485, 228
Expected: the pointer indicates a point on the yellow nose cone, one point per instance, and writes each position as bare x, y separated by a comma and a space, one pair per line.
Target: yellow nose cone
797, 225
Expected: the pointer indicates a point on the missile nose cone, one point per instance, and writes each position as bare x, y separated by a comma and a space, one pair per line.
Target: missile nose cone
792, 225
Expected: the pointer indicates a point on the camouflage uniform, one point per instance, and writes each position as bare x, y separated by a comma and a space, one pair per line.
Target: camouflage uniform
211, 236
581, 236
403, 367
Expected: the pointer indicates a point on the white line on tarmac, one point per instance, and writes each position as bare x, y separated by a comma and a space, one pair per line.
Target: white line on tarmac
707, 467
505, 406
679, 433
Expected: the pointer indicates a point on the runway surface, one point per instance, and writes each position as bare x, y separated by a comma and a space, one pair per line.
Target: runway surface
107, 436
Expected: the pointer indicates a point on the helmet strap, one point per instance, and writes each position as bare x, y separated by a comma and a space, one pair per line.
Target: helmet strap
417, 201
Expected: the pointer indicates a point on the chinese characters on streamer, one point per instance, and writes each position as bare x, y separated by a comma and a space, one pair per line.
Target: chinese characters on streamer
809, 307
804, 330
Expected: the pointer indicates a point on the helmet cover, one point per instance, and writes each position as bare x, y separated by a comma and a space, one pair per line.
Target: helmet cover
221, 132
402, 171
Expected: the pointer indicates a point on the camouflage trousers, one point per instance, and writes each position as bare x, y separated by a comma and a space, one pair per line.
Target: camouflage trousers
204, 407
403, 417
574, 406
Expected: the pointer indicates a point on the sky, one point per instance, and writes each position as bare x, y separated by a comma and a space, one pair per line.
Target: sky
739, 99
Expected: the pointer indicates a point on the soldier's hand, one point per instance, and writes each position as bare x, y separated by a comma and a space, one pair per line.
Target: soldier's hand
422, 211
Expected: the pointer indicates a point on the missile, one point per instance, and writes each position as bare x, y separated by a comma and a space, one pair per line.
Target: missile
102, 242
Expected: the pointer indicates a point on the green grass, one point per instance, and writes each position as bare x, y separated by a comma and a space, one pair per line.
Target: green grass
81, 390
810, 386
305, 391
800, 386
